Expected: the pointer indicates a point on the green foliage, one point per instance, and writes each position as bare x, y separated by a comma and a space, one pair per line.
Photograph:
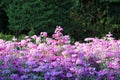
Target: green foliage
42, 15
31, 32
114, 11
6, 37
90, 18
21, 37
9, 37
79, 18
116, 31
17, 18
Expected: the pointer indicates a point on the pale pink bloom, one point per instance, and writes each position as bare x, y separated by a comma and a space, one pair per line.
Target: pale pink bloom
31, 45
58, 29
2, 41
49, 40
2, 46
114, 65
26, 37
109, 35
42, 46
38, 40
43, 34
14, 39
34, 36
88, 39
76, 43
23, 42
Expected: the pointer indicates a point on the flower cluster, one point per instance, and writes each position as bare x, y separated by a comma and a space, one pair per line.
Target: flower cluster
44, 58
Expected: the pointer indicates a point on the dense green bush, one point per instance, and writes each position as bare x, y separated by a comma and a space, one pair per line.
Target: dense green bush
91, 18
116, 31
39, 15
79, 18
6, 37
9, 37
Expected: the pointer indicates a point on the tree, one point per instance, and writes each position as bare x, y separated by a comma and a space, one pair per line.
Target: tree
38, 15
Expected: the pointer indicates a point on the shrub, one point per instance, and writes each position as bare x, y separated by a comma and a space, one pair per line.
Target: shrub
90, 18
39, 15
6, 37
81, 18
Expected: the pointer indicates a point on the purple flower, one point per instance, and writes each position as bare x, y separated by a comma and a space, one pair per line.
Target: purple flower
111, 77
102, 72
24, 77
69, 74
39, 69
13, 76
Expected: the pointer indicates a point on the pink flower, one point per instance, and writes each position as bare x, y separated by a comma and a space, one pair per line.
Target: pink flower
31, 45
34, 36
114, 65
43, 34
2, 41
58, 29
2, 46
57, 35
23, 42
26, 37
65, 39
14, 39
28, 40
109, 35
49, 40
88, 39
38, 40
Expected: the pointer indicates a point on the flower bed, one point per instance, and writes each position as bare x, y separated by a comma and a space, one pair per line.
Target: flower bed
43, 58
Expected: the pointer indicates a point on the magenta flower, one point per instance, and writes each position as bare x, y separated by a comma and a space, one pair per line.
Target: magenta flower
23, 42
109, 35
43, 34
114, 65
58, 29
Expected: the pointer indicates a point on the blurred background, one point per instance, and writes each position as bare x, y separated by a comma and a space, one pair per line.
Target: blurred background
79, 18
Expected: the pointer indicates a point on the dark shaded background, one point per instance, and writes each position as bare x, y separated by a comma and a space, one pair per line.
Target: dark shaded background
79, 18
